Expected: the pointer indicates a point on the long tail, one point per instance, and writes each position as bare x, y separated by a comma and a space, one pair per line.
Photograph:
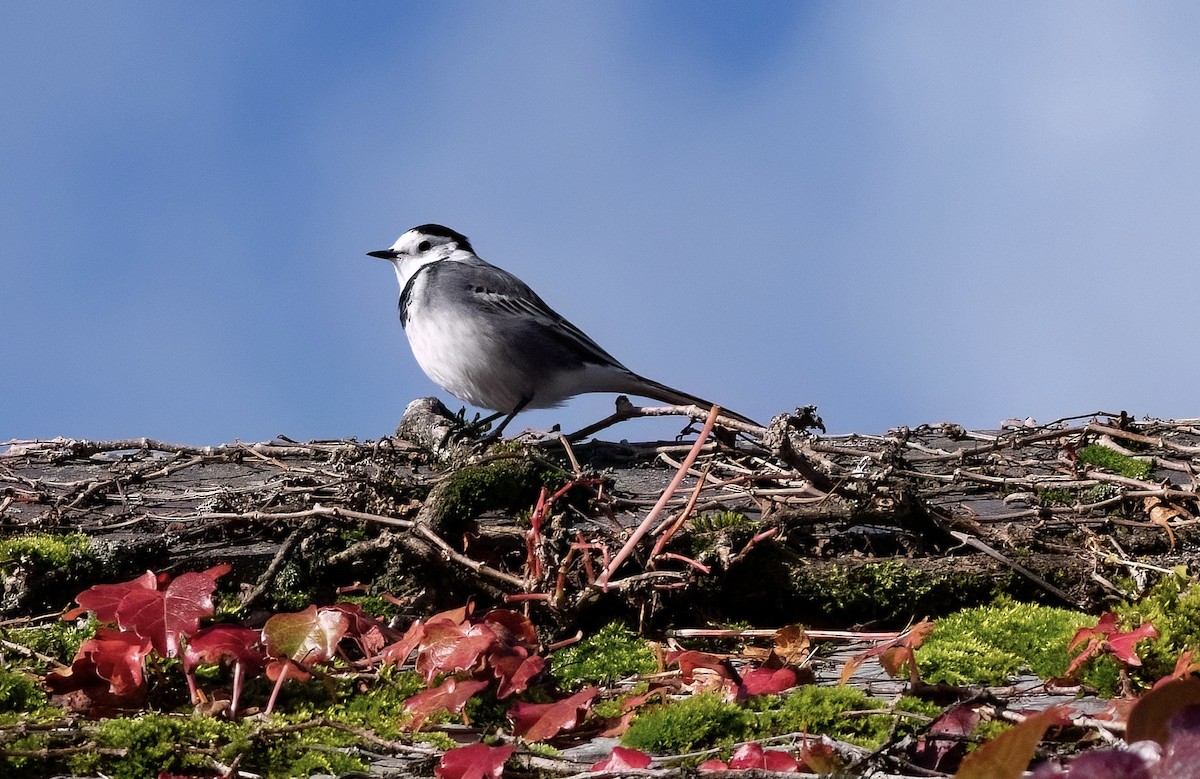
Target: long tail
640, 385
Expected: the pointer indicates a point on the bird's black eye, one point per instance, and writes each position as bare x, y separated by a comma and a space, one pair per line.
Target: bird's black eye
424, 246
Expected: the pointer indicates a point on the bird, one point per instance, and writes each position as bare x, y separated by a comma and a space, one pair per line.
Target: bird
486, 337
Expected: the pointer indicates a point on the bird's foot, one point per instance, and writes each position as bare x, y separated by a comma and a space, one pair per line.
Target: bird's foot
476, 429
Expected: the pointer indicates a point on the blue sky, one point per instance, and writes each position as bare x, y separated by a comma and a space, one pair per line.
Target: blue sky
900, 212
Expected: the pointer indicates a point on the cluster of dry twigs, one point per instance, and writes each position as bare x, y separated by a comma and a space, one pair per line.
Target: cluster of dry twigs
930, 491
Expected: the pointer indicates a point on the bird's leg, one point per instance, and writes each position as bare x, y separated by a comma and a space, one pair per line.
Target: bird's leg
495, 434
462, 429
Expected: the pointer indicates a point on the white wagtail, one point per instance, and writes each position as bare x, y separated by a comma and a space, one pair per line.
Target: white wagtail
485, 337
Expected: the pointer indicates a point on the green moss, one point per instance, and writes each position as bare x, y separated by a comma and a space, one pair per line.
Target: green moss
317, 750
716, 521
375, 605
705, 721
507, 484
12, 767
19, 692
1098, 493
966, 661
992, 644
289, 588
39, 551
1112, 460
823, 711
189, 745
59, 640
157, 743
987, 730
1056, 496
697, 722
769, 587
613, 653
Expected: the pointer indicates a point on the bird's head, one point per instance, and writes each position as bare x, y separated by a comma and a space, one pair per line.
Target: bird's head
424, 244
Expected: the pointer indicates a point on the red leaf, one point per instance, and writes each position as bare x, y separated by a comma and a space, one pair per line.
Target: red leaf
451, 695
515, 670
218, 643
713, 765
1105, 638
779, 761
107, 668
890, 660
1122, 645
766, 681
512, 628
398, 652
450, 647
164, 615
1104, 627
306, 637
622, 759
746, 756
103, 599
474, 762
455, 616
689, 660
957, 721
369, 633
540, 721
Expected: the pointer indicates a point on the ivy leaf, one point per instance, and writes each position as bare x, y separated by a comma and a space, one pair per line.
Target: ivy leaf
540, 721
623, 759
893, 655
778, 761
103, 599
515, 670
220, 643
689, 660
819, 756
107, 668
398, 652
451, 695
1181, 759
449, 647
1150, 718
1106, 637
1104, 627
512, 628
305, 637
746, 756
956, 722
1119, 764
1122, 645
164, 615
474, 762
369, 633
766, 681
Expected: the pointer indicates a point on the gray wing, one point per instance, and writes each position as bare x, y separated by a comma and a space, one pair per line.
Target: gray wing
496, 294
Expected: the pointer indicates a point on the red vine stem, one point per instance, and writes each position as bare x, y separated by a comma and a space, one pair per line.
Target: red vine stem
648, 522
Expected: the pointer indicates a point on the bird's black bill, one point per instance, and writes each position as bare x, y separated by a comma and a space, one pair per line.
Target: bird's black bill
383, 254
